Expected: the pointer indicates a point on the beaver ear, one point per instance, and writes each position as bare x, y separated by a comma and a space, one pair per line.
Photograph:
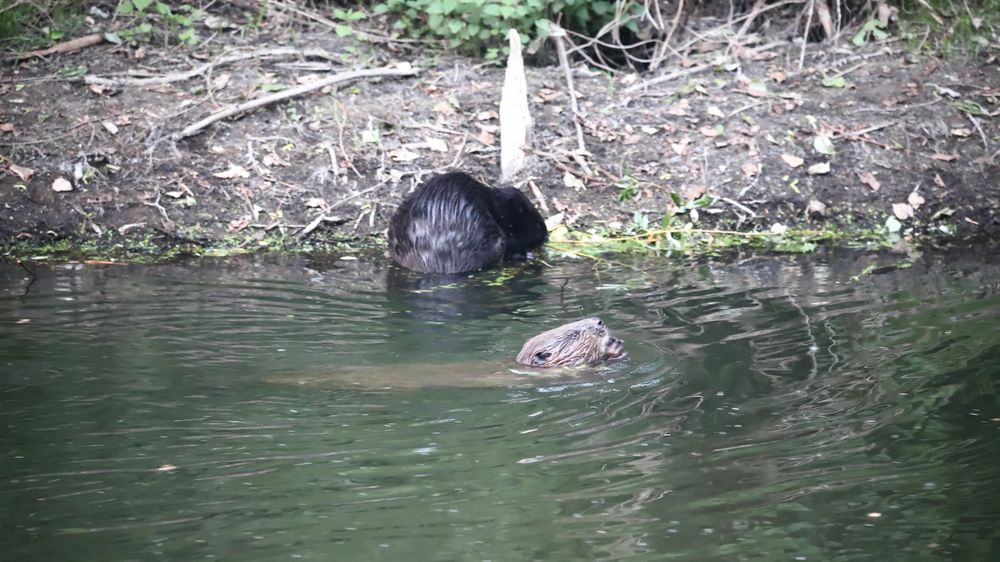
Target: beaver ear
540, 358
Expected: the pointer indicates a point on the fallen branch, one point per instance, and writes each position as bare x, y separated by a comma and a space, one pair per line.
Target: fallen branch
559, 36
290, 93
202, 69
64, 47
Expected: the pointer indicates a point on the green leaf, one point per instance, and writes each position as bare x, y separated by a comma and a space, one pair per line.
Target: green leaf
163, 9
893, 225
125, 8
187, 36
141, 5
145, 27
381, 8
343, 30
271, 87
491, 10
835, 82
455, 26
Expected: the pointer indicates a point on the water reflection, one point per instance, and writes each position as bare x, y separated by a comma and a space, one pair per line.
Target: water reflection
772, 408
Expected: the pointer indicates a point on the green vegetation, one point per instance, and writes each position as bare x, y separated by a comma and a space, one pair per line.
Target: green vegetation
32, 25
154, 19
947, 25
479, 26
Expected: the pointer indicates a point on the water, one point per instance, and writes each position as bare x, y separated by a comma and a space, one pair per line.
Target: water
772, 408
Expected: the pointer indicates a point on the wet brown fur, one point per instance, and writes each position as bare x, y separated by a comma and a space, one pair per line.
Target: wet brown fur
584, 342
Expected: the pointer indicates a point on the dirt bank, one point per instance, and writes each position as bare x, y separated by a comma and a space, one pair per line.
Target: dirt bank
769, 143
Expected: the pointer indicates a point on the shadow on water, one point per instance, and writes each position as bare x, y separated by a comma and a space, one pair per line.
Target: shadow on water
834, 407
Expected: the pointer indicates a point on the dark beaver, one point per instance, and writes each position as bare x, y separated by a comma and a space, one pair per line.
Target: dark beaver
584, 342
455, 224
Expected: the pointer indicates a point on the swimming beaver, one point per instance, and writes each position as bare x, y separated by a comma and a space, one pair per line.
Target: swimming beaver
584, 342
455, 224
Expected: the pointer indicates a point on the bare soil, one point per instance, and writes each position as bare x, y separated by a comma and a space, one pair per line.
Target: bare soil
905, 132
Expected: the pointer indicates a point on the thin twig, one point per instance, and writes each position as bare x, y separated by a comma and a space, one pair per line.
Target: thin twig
202, 69
559, 36
323, 216
290, 93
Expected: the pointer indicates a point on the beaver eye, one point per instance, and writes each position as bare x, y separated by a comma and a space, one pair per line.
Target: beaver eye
540, 358
600, 322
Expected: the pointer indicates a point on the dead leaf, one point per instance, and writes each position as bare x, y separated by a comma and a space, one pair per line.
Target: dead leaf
444, 108
757, 89
234, 171
902, 211
6, 127
436, 144
679, 109
110, 127
818, 169
914, 199
174, 194
123, 119
555, 220
403, 155
750, 169
62, 185
778, 76
315, 203
816, 208
680, 147
714, 111
868, 179
961, 132
792, 160
946, 212
713, 131
97, 89
220, 81
944, 157
22, 172
487, 116
271, 160
823, 144
486, 137
693, 192
939, 182
569, 180
631, 139
649, 130
239, 224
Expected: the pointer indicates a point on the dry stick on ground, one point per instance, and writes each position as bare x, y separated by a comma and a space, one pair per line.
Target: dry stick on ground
290, 93
696, 69
559, 36
202, 69
324, 218
64, 47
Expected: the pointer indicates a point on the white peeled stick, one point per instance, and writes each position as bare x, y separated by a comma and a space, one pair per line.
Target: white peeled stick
515, 120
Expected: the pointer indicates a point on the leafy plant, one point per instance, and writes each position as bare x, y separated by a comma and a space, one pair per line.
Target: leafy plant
480, 25
159, 17
871, 28
348, 17
629, 187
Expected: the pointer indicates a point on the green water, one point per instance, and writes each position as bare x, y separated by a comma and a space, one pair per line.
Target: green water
772, 408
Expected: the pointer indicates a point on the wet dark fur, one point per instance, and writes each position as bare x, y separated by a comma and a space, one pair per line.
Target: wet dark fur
455, 224
584, 342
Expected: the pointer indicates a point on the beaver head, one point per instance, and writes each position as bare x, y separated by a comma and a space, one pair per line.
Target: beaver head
584, 342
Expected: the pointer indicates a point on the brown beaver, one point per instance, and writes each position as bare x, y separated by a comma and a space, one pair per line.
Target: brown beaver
584, 342
455, 224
